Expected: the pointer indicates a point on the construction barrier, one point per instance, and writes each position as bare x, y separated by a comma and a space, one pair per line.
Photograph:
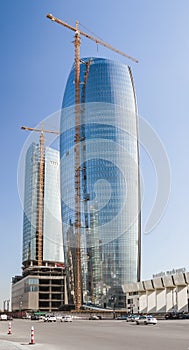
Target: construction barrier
32, 336
9, 328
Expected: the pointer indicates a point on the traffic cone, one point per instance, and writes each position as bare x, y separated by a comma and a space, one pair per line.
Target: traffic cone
32, 336
9, 329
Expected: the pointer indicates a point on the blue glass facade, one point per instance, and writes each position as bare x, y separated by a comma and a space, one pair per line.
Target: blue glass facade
52, 226
109, 179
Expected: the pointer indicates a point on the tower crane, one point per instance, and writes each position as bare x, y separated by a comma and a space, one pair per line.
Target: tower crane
40, 202
77, 42
96, 40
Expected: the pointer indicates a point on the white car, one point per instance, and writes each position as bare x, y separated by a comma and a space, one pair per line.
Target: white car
3, 317
66, 319
94, 317
50, 319
146, 320
134, 318
58, 317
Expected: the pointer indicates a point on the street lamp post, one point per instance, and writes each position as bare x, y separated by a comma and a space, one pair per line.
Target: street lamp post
20, 305
8, 302
113, 302
4, 305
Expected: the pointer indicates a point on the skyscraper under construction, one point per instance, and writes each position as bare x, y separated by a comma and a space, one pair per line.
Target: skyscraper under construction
106, 253
52, 242
41, 287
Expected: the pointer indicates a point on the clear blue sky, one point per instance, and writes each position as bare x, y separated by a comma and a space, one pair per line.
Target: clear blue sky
36, 56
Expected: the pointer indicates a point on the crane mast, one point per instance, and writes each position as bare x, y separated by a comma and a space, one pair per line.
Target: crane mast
78, 298
77, 42
40, 202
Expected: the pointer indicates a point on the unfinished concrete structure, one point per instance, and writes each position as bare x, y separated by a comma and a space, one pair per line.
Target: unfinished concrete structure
39, 288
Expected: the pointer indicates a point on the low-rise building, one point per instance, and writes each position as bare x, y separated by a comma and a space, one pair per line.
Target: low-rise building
161, 294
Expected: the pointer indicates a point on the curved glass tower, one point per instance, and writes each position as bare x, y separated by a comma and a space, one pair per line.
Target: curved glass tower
110, 232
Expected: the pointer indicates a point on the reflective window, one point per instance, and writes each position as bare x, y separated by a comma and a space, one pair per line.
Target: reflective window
108, 179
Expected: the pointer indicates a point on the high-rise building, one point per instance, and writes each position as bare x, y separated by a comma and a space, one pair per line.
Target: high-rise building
52, 240
109, 186
41, 286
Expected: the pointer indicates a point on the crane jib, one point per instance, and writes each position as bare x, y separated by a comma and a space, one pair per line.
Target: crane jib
96, 40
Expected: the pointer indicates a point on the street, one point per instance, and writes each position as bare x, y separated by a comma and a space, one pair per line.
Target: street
95, 334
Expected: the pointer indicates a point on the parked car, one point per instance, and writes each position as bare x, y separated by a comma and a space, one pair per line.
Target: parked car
122, 317
171, 315
3, 317
34, 317
50, 318
67, 319
129, 318
176, 315
132, 318
94, 317
183, 316
146, 320
59, 317
9, 318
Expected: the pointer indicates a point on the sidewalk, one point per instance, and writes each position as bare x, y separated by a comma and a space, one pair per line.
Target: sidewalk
9, 345
20, 337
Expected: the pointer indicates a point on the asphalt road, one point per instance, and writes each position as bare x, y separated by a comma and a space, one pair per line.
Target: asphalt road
95, 335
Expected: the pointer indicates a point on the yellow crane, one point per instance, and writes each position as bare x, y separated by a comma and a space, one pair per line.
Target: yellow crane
96, 40
77, 43
40, 202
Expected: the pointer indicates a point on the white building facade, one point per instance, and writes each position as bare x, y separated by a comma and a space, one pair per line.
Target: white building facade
161, 294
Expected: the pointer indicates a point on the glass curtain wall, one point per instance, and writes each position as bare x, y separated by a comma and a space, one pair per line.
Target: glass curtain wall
109, 180
52, 225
